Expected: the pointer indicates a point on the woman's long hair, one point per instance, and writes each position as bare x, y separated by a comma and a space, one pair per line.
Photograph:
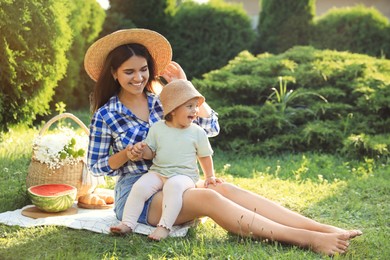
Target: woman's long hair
106, 86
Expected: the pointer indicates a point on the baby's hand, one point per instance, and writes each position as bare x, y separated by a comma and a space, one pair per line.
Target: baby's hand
135, 152
139, 147
212, 180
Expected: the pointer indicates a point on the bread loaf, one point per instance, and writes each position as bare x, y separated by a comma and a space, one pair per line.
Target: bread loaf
92, 199
107, 198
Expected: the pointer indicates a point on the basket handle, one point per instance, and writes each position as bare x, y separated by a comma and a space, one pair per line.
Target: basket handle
61, 116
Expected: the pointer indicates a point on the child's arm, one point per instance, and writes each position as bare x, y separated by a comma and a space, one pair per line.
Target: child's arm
208, 170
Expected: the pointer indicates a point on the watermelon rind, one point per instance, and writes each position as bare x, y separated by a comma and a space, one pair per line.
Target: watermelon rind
58, 202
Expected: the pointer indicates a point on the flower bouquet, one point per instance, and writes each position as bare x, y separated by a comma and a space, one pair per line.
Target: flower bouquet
60, 148
59, 158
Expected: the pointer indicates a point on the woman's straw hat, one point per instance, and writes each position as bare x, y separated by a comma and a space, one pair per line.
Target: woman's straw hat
157, 45
176, 93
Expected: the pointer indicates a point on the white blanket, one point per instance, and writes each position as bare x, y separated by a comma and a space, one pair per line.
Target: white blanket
96, 220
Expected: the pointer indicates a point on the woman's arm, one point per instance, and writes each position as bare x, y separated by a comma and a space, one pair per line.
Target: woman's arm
118, 159
99, 147
100, 160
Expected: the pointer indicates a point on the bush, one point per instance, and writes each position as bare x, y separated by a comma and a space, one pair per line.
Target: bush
328, 96
151, 14
34, 39
86, 21
284, 24
357, 29
207, 36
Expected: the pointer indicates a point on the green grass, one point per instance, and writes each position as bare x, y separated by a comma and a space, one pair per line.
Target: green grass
346, 193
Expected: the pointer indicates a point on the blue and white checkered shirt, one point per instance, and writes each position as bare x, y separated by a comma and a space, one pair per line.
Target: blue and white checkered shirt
113, 127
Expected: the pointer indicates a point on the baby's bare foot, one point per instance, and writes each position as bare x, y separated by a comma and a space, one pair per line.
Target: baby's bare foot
120, 229
159, 233
331, 243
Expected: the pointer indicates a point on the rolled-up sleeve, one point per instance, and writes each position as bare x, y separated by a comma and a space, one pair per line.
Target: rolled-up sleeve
209, 124
100, 139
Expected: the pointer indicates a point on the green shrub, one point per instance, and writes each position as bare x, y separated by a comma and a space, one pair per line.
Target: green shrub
34, 39
304, 99
151, 14
206, 36
284, 24
86, 21
356, 29
361, 145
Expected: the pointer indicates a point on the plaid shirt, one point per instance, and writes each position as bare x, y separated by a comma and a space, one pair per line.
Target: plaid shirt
114, 126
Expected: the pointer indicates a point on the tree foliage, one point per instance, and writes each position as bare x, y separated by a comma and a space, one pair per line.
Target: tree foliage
86, 21
151, 14
34, 38
207, 36
284, 24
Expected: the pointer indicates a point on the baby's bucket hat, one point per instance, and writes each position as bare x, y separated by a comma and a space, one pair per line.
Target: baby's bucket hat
176, 93
157, 45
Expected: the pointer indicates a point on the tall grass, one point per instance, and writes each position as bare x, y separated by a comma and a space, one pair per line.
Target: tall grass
330, 189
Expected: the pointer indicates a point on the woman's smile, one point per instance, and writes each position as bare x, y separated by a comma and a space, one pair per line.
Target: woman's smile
138, 85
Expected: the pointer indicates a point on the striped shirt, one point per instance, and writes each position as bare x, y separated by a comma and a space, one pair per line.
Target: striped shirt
114, 126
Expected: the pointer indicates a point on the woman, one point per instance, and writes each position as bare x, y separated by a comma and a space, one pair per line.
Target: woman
125, 65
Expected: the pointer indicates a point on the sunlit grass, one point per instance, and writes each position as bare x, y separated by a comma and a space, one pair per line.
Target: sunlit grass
327, 188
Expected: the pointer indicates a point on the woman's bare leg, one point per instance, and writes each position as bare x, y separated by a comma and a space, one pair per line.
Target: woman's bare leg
205, 202
274, 211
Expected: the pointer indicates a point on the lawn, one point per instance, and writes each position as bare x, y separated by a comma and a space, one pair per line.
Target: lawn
330, 189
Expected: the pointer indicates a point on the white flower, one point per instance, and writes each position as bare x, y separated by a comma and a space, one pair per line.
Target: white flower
57, 149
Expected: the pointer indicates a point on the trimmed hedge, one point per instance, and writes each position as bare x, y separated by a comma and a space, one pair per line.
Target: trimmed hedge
357, 29
329, 98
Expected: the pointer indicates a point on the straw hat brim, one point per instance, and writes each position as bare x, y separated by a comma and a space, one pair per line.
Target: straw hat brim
157, 45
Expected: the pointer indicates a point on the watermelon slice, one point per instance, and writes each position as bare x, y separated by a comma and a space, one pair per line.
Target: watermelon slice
52, 197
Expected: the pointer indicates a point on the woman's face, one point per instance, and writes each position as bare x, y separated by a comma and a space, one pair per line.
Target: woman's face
133, 75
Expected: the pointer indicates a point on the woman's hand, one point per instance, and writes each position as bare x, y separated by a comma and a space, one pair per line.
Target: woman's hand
212, 180
173, 71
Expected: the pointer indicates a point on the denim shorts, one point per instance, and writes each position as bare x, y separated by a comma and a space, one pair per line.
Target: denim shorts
122, 190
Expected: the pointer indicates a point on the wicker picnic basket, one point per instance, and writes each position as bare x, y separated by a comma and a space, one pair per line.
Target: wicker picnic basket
71, 174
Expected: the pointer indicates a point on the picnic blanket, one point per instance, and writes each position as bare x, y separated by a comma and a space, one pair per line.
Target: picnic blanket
96, 220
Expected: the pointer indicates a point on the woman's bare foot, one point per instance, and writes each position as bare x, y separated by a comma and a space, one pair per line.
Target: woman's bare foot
330, 243
332, 229
120, 229
159, 233
354, 233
